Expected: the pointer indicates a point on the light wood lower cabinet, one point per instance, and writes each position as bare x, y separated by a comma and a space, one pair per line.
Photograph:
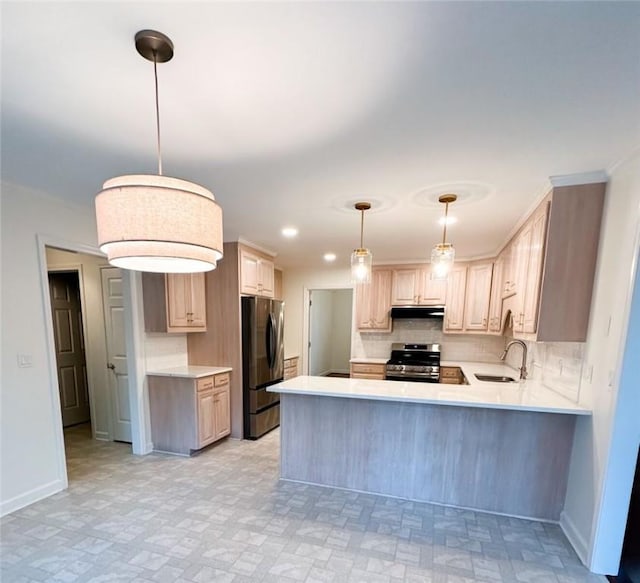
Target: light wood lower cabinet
368, 371
188, 414
290, 367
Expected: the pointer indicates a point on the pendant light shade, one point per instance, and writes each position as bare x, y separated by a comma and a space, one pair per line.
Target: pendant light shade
361, 258
153, 222
443, 254
158, 223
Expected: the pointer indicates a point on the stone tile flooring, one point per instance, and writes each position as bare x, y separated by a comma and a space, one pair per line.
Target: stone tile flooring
224, 516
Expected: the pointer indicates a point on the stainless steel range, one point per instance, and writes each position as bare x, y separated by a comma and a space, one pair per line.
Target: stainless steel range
414, 362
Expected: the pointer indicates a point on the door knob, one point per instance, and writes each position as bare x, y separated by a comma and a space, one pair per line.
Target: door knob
111, 366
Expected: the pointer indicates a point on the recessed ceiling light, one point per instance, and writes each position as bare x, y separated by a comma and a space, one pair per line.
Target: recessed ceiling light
289, 232
329, 257
449, 220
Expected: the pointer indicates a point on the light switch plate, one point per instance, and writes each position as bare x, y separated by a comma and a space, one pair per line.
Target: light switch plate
25, 360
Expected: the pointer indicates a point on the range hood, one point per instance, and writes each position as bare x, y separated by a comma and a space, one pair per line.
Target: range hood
417, 312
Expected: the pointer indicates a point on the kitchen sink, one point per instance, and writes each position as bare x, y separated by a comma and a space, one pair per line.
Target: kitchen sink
489, 378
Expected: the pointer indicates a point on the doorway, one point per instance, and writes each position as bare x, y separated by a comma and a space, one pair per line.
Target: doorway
88, 325
329, 341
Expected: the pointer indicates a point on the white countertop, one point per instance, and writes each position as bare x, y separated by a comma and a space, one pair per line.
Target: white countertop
526, 396
189, 371
365, 360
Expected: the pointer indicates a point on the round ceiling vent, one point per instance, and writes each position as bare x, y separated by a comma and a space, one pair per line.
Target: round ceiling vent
467, 192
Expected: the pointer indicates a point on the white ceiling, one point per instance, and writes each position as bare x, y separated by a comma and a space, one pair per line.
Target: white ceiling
290, 112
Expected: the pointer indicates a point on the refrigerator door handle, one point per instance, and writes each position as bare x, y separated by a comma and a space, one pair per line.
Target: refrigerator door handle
274, 340
270, 341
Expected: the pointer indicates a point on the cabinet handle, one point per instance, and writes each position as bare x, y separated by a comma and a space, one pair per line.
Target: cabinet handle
484, 321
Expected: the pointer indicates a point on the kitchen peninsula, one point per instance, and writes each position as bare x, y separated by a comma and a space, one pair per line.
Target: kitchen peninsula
498, 447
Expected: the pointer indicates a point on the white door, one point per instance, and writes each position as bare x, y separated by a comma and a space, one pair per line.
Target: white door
112, 300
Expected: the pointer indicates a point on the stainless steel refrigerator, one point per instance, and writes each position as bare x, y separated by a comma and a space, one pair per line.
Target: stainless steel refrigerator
262, 363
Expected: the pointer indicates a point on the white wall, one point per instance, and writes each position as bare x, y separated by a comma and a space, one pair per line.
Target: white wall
320, 332
341, 326
95, 340
30, 467
29, 417
605, 343
295, 281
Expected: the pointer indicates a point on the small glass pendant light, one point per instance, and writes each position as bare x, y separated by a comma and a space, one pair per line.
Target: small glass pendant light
443, 254
361, 258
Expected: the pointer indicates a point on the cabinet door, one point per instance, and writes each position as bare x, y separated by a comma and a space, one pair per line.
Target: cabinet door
373, 301
454, 310
178, 299
380, 299
265, 278
495, 304
476, 310
198, 301
522, 250
434, 290
248, 273
222, 413
534, 272
406, 287
206, 418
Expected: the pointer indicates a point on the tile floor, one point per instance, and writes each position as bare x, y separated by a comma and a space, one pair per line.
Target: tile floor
224, 516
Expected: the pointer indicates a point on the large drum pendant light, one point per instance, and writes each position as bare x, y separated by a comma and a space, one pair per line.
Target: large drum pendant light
155, 222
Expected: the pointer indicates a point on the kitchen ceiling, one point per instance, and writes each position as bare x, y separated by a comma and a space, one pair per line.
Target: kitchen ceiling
291, 112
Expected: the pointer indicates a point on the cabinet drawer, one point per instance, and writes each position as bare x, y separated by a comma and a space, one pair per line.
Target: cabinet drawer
205, 384
362, 375
448, 371
378, 369
221, 380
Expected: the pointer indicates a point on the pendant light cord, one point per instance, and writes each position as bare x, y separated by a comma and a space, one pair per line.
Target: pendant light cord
362, 229
444, 231
155, 75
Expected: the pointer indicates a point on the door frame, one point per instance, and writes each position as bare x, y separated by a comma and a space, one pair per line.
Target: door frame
305, 317
88, 351
134, 338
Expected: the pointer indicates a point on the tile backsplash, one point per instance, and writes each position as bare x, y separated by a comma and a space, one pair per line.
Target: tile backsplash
557, 364
478, 348
165, 350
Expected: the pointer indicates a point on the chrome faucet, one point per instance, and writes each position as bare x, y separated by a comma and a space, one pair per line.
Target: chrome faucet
523, 368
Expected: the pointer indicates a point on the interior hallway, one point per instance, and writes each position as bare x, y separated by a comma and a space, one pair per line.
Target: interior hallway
224, 516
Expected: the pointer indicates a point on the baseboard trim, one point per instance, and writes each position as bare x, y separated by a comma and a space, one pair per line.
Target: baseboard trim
102, 436
27, 498
574, 537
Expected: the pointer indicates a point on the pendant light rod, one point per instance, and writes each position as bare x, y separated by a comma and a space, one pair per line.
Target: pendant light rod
362, 206
155, 75
446, 199
157, 48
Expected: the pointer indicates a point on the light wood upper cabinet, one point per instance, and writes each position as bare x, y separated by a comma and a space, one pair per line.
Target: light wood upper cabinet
416, 286
477, 296
256, 274
534, 271
495, 303
406, 287
174, 302
521, 250
373, 302
455, 300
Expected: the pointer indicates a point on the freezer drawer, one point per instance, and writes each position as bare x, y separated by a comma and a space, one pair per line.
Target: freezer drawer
261, 398
261, 423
